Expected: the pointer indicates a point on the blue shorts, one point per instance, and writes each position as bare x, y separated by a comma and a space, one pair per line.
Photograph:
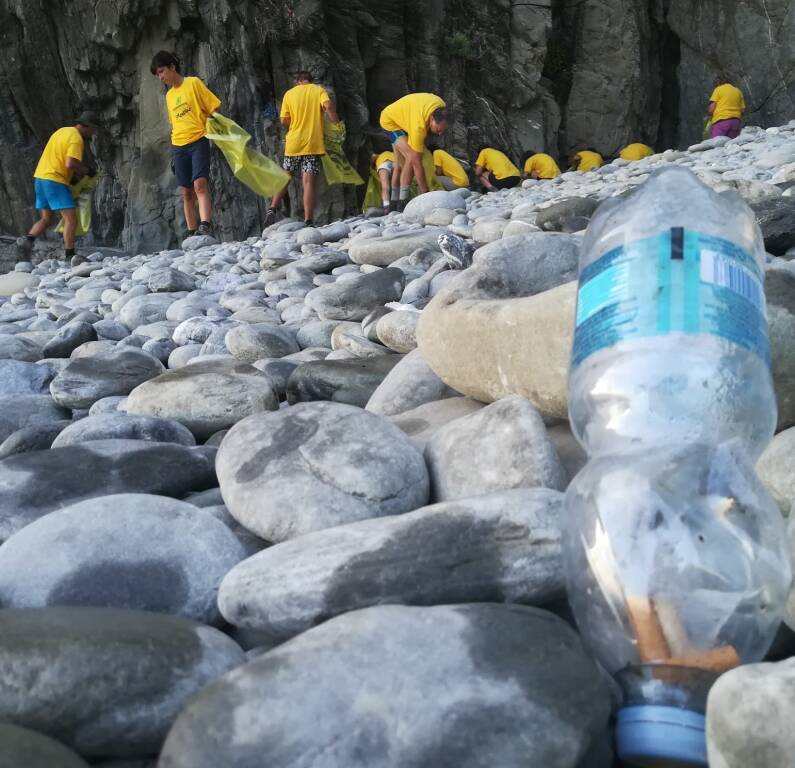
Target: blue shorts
393, 136
191, 162
52, 195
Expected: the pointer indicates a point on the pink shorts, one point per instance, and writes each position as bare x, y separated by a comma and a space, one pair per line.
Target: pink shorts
730, 128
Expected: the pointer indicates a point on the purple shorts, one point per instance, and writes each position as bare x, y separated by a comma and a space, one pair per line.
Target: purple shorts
730, 128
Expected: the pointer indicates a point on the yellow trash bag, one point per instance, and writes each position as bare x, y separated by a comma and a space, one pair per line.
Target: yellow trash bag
259, 173
335, 165
82, 192
707, 132
372, 197
434, 185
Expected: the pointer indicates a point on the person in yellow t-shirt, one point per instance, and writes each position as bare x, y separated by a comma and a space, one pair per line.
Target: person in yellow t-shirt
586, 160
495, 170
189, 102
449, 172
302, 115
384, 164
726, 107
407, 122
539, 165
61, 160
635, 152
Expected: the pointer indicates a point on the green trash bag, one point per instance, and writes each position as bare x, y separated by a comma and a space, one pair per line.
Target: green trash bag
336, 167
707, 133
259, 173
372, 196
434, 185
82, 192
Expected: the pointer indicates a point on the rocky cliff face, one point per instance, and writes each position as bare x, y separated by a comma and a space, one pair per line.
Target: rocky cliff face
524, 75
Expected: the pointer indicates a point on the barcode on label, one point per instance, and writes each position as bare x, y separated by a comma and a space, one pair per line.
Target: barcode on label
717, 270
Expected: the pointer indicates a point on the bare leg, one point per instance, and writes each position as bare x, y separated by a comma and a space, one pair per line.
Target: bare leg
484, 180
43, 224
202, 191
189, 206
406, 168
383, 176
279, 196
310, 182
69, 216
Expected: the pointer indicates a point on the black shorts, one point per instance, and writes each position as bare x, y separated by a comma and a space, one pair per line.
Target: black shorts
191, 162
509, 182
304, 163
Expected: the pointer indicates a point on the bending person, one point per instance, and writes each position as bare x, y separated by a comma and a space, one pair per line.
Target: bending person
539, 166
449, 172
302, 115
407, 122
586, 160
495, 170
726, 107
634, 152
384, 164
61, 159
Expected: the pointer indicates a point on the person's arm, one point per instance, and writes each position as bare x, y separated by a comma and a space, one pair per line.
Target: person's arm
711, 108
331, 111
534, 175
479, 170
415, 159
79, 168
286, 121
439, 171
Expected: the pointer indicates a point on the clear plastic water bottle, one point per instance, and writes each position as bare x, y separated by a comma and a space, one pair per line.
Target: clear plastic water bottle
676, 555
671, 334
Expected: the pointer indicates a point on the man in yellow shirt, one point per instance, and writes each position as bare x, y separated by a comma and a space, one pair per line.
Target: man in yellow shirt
407, 122
188, 105
495, 170
633, 152
61, 160
539, 166
449, 172
586, 160
726, 107
302, 115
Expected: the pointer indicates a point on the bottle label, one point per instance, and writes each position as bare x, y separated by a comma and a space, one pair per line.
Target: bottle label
679, 281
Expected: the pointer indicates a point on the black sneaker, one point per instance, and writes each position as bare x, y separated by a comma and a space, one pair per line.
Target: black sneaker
401, 205
204, 229
270, 218
309, 223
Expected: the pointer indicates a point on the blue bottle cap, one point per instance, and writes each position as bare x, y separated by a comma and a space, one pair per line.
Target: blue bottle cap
653, 735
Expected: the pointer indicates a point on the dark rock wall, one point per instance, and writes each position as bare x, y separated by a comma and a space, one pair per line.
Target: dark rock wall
554, 74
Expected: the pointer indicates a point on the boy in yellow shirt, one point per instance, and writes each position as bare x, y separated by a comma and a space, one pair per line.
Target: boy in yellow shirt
495, 170
726, 107
384, 164
633, 152
539, 166
302, 115
189, 102
407, 122
449, 172
61, 160
586, 160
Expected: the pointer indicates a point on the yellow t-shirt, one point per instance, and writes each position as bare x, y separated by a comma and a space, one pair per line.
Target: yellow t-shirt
412, 114
636, 152
303, 104
385, 157
589, 160
495, 161
65, 142
451, 167
729, 103
188, 107
544, 165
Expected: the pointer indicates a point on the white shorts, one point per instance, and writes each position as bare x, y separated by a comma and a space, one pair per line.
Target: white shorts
387, 165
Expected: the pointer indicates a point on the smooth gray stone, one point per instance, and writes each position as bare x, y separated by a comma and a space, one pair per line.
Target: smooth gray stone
350, 381
137, 551
316, 465
88, 379
34, 484
93, 349
354, 299
776, 219
20, 411
251, 543
749, 717
21, 378
19, 347
146, 309
107, 405
255, 315
122, 426
68, 338
39, 437
518, 690
322, 262
194, 242
181, 356
504, 547
555, 216
160, 349
409, 384
168, 280
398, 330
371, 320
420, 206
111, 329
504, 445
205, 396
422, 422
254, 342
209, 498
216, 438
23, 748
103, 681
